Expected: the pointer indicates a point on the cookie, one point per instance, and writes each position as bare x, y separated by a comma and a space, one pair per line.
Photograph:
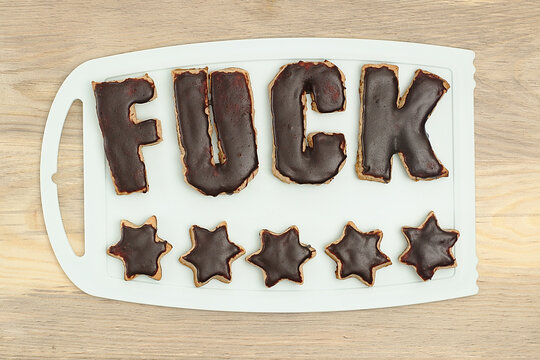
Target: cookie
232, 111
281, 256
391, 124
123, 134
211, 254
140, 249
429, 247
318, 158
358, 254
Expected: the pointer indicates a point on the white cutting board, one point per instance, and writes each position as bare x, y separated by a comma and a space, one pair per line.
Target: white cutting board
319, 211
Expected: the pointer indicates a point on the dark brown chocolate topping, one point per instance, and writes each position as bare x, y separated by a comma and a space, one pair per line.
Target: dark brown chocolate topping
358, 254
317, 159
139, 249
232, 109
389, 127
281, 256
212, 254
121, 136
429, 247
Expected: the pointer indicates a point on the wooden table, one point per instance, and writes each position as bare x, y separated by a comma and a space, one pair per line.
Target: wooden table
43, 315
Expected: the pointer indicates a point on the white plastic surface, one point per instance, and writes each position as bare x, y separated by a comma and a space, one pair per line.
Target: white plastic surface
320, 212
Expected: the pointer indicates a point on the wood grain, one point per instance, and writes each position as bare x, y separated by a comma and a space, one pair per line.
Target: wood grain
42, 315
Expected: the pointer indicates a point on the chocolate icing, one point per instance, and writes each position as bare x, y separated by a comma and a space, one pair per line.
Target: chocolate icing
429, 247
391, 125
140, 249
211, 254
232, 109
357, 254
281, 256
322, 157
122, 137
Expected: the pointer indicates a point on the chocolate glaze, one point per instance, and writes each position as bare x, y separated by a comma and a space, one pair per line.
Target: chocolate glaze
232, 109
140, 250
389, 128
357, 254
211, 255
429, 247
121, 136
321, 158
281, 256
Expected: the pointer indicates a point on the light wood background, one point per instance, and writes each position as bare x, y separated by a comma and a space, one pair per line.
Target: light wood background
43, 315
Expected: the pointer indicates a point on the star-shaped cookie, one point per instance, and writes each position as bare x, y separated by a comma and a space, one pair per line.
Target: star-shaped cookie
358, 254
281, 256
429, 247
211, 254
140, 249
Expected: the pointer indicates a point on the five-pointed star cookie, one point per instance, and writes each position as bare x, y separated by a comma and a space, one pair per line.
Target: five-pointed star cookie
140, 249
429, 247
358, 254
281, 256
211, 254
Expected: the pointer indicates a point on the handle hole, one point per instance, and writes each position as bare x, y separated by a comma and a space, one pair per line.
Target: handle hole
69, 177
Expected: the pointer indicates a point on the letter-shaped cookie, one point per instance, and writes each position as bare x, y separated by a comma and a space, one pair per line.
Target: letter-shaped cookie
319, 157
123, 136
232, 110
390, 124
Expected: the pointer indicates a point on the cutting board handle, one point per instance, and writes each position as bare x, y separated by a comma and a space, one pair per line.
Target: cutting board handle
69, 91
